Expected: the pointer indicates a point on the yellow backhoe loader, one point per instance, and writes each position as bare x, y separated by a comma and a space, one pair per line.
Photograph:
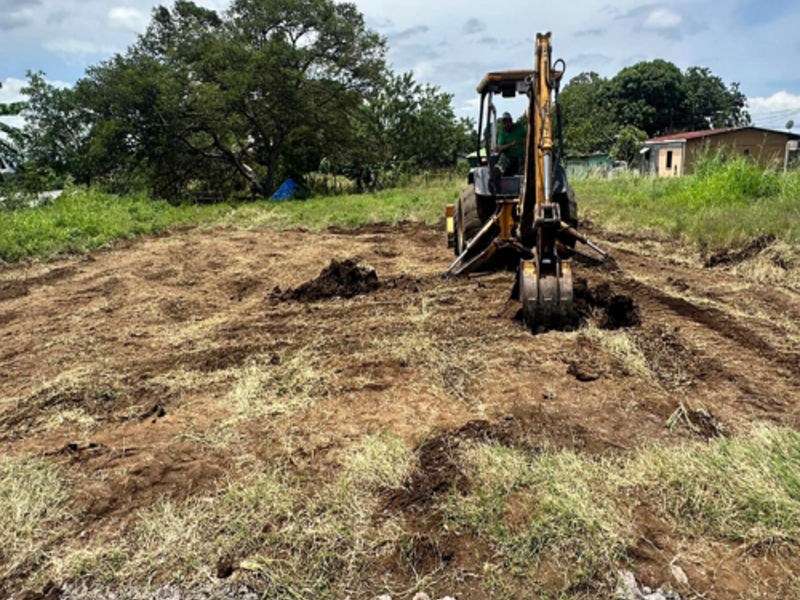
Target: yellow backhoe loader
526, 221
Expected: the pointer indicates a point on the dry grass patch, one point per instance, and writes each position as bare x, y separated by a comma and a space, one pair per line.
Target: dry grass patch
622, 345
746, 489
72, 397
280, 533
451, 369
282, 385
34, 505
556, 507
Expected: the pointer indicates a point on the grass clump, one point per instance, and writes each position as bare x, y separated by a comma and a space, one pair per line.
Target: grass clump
379, 462
746, 489
270, 385
723, 203
34, 499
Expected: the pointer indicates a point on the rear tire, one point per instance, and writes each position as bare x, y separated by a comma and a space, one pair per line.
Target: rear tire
472, 212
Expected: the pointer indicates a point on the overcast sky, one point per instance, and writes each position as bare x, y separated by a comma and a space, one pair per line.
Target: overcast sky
452, 43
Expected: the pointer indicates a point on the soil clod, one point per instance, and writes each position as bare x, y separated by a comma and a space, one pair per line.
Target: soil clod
343, 279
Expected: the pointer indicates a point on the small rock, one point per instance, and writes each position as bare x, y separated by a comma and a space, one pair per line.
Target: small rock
627, 588
384, 597
422, 596
679, 575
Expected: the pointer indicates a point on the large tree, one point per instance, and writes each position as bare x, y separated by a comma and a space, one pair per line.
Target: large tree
654, 97
649, 96
588, 120
56, 129
230, 94
710, 103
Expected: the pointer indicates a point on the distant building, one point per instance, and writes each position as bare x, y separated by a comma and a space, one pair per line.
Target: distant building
674, 155
582, 165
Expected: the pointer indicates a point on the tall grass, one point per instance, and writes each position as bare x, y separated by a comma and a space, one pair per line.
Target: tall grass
722, 203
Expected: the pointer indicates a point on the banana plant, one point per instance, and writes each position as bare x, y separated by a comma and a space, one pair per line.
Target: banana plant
11, 138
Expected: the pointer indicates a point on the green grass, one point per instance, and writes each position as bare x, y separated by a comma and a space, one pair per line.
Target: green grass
83, 221
723, 204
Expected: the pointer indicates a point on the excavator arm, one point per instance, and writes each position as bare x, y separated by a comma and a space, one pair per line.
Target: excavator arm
545, 280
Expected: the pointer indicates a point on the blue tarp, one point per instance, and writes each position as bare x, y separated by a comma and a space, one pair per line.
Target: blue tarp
287, 191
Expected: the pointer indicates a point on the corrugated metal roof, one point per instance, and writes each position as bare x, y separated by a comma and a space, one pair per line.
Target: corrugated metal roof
691, 135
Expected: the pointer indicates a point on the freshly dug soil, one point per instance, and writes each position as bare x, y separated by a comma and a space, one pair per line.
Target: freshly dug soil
180, 321
614, 311
345, 279
728, 258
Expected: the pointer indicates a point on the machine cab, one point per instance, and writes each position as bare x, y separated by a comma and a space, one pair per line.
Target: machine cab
506, 84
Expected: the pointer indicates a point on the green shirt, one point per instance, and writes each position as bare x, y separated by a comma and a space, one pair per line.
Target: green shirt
518, 133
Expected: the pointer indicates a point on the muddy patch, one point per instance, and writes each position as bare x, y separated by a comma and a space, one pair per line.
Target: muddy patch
345, 279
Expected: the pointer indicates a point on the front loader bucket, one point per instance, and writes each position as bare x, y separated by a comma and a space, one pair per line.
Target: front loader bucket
546, 299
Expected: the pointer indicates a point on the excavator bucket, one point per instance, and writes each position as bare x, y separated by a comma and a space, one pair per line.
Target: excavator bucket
546, 298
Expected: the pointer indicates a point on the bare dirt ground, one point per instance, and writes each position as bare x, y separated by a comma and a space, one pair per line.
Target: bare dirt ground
123, 368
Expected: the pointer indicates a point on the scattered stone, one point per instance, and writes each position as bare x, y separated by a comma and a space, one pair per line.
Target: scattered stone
628, 589
225, 567
583, 372
422, 596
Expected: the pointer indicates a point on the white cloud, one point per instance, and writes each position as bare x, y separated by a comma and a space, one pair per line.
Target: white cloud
775, 110
12, 90
15, 19
663, 18
131, 19
75, 47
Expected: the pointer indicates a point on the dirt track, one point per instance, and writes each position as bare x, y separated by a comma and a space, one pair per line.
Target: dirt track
120, 366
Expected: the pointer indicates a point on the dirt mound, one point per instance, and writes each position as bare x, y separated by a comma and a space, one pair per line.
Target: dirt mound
345, 279
728, 258
614, 311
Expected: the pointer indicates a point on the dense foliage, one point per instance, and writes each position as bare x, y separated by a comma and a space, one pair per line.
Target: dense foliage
655, 97
237, 101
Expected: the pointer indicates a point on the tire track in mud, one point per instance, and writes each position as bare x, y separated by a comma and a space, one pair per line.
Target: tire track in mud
717, 321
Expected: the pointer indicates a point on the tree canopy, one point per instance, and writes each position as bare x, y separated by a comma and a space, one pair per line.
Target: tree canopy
655, 97
240, 99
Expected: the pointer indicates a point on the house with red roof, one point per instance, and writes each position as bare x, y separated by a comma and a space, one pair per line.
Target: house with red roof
674, 155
